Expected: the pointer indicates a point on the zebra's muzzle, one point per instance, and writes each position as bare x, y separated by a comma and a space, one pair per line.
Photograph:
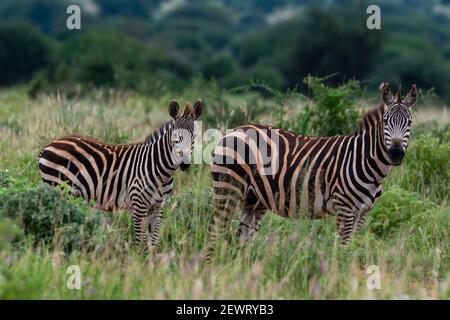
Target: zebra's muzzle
396, 153
184, 166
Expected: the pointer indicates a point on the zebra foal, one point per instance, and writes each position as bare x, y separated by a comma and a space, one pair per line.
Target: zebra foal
313, 176
137, 176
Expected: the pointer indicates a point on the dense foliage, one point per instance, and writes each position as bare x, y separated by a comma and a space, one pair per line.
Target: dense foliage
165, 44
48, 217
335, 106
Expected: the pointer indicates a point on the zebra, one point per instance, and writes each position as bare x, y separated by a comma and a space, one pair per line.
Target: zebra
137, 176
305, 175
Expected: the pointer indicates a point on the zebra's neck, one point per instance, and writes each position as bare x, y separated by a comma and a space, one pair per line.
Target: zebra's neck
160, 152
158, 133
375, 155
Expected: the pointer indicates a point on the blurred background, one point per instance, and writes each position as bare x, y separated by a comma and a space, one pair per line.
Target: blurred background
154, 46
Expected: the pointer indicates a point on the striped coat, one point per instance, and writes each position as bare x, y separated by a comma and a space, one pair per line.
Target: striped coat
257, 168
136, 176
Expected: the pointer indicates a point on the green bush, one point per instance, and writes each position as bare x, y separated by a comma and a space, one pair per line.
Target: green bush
422, 226
395, 208
331, 111
9, 233
427, 164
49, 217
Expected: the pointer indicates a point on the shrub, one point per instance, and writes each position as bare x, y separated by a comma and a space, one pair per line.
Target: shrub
49, 217
9, 232
420, 226
429, 160
396, 207
332, 110
427, 164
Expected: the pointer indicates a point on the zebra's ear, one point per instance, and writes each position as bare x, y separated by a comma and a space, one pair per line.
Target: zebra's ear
174, 109
411, 98
198, 107
386, 94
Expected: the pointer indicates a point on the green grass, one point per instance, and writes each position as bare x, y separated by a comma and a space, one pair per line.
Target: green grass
406, 235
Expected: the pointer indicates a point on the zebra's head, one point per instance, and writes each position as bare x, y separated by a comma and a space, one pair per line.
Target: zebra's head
183, 133
397, 119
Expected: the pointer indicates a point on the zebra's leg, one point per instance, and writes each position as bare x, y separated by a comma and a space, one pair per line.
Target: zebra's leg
140, 221
226, 203
251, 217
345, 221
154, 223
361, 218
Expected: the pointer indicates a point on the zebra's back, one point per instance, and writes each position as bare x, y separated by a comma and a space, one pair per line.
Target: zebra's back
94, 169
293, 173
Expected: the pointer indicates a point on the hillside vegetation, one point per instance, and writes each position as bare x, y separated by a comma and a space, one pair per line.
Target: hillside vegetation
158, 47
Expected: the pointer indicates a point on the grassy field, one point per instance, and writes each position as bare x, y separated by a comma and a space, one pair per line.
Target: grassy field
406, 235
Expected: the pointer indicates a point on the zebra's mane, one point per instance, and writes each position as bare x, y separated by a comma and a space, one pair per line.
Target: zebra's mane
159, 132
369, 119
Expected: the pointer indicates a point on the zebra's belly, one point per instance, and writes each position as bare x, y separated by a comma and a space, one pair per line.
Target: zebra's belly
114, 201
302, 209
121, 200
305, 202
112, 205
309, 198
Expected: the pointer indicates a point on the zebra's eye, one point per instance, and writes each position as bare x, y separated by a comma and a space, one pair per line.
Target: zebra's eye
176, 140
179, 153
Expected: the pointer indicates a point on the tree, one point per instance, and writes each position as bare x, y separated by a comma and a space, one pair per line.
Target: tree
23, 51
330, 42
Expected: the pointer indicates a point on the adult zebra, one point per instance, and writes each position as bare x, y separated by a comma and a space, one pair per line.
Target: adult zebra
136, 176
316, 176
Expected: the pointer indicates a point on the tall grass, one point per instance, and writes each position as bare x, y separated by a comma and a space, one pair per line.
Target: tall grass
406, 235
